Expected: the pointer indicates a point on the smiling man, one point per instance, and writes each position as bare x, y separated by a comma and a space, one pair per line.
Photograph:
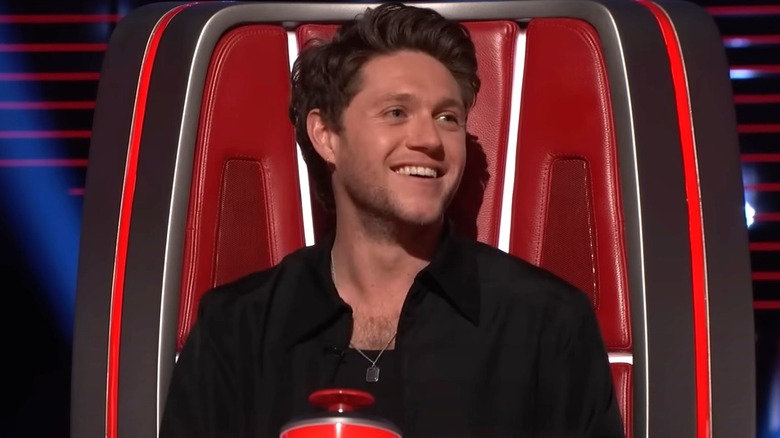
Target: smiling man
452, 337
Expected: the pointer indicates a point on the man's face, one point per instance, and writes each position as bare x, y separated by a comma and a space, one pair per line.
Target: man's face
401, 152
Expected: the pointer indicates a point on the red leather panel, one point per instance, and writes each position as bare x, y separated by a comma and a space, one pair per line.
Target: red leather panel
567, 213
310, 33
245, 209
483, 180
476, 209
621, 379
570, 219
240, 248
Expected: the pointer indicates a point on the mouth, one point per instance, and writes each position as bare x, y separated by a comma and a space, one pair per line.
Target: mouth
417, 171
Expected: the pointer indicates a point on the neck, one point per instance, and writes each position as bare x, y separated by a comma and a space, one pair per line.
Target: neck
376, 269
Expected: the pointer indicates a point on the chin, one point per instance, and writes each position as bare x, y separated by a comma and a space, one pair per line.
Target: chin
421, 218
421, 222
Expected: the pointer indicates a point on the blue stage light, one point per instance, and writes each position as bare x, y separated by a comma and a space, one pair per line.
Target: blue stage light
750, 214
45, 219
743, 73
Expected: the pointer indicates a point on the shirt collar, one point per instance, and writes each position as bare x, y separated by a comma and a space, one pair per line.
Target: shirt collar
453, 271
316, 304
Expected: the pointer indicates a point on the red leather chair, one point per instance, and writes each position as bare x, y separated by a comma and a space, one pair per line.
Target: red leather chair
603, 148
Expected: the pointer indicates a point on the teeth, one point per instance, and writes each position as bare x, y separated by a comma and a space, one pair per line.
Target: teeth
417, 171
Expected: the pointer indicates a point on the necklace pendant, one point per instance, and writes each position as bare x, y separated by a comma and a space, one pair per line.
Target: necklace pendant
372, 374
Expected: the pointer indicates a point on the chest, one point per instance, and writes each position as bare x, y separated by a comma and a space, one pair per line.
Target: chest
458, 387
374, 332
441, 363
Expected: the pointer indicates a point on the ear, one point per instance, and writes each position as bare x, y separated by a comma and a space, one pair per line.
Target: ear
322, 137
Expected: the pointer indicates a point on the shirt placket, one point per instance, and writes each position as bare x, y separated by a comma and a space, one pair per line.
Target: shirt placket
403, 361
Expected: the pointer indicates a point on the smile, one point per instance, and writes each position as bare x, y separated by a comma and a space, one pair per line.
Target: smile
419, 171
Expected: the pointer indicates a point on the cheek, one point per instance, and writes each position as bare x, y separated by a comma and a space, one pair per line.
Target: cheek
457, 153
371, 143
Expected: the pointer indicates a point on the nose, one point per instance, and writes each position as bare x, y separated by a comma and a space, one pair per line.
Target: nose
424, 135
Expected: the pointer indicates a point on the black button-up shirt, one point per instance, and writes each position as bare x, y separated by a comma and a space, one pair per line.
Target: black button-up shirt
488, 346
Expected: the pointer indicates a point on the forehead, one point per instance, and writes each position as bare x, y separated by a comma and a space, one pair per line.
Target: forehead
415, 75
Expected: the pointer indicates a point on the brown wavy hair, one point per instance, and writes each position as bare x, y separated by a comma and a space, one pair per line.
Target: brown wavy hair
326, 75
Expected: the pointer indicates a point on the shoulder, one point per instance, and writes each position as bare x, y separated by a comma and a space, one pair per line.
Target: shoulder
257, 288
506, 279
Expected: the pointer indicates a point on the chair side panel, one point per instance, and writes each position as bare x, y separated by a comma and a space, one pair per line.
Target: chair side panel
245, 208
567, 212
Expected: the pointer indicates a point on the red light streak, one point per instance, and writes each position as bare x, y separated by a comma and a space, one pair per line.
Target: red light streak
58, 47
765, 246
763, 187
766, 305
53, 105
758, 128
766, 217
757, 98
760, 158
57, 18
744, 10
45, 134
43, 162
76, 76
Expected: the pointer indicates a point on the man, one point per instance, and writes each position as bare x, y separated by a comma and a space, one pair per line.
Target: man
454, 338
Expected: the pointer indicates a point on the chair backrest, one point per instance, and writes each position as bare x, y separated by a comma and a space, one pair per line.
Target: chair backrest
594, 152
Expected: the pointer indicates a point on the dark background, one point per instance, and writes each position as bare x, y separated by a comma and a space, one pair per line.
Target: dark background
50, 57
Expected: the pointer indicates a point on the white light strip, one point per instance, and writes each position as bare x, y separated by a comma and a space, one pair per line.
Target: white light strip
505, 223
621, 358
303, 170
640, 287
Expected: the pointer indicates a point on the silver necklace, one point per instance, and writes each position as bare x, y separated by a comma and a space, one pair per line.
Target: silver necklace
372, 372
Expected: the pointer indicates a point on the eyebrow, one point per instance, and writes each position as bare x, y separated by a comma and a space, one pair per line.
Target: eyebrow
408, 97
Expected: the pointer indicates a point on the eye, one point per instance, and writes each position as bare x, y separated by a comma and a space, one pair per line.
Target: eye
395, 113
450, 119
